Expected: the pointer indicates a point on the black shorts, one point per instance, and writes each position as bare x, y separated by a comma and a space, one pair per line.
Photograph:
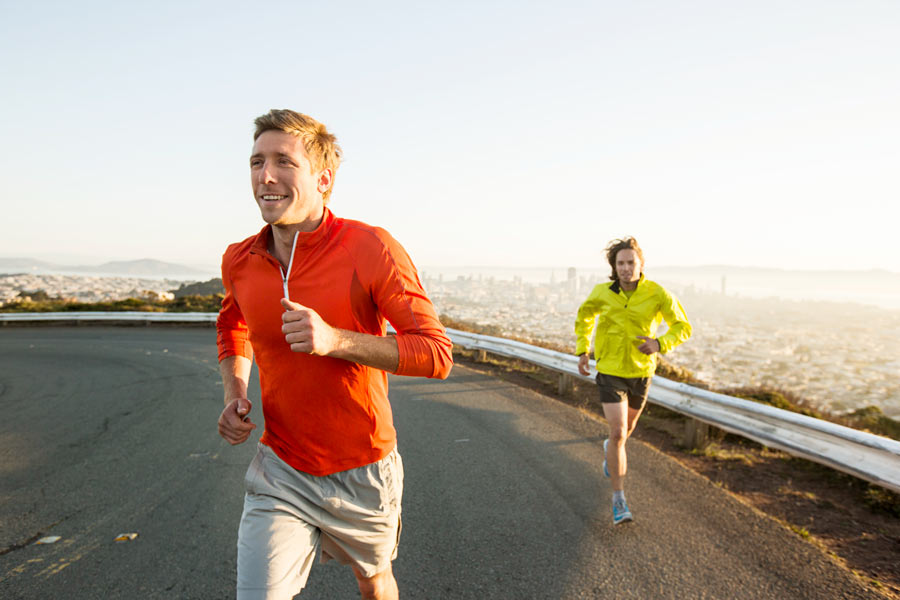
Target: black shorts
619, 389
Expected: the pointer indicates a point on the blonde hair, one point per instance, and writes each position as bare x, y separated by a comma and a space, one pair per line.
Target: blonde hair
320, 145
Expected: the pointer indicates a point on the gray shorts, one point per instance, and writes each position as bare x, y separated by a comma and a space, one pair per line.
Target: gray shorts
353, 516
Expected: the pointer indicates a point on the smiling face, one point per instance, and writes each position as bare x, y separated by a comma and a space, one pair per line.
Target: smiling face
628, 268
287, 190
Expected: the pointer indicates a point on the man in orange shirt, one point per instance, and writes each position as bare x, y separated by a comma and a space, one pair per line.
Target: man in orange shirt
308, 298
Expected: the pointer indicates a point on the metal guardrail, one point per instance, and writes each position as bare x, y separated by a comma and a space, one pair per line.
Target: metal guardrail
864, 455
152, 317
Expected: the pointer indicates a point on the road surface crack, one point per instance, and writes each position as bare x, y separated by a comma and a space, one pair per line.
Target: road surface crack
31, 540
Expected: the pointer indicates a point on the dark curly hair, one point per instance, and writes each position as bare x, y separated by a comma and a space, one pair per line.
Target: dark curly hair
612, 248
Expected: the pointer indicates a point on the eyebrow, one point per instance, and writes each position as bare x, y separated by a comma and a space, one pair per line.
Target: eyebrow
279, 155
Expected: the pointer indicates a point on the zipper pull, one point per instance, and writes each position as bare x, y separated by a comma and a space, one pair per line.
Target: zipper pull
286, 275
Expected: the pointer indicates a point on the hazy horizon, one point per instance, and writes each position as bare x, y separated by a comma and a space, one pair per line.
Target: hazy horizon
95, 261
871, 287
761, 134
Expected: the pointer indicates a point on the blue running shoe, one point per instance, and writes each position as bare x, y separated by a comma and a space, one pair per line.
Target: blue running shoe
621, 512
605, 444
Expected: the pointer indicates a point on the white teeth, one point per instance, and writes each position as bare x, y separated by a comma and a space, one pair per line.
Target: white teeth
270, 197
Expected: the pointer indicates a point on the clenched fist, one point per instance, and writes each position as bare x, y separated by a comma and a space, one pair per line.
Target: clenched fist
649, 345
306, 331
234, 423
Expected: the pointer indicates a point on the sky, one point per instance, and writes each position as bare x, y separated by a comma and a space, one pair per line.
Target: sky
523, 134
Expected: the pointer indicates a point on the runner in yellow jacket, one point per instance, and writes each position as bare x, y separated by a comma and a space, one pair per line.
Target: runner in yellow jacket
623, 316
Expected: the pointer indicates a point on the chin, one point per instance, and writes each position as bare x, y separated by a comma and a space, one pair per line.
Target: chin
268, 217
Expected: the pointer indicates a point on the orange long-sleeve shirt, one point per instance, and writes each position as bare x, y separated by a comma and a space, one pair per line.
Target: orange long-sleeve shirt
323, 414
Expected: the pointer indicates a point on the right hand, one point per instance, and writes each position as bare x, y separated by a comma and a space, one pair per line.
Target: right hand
583, 365
234, 424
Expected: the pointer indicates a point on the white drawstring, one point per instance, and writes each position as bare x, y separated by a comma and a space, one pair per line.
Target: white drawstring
285, 276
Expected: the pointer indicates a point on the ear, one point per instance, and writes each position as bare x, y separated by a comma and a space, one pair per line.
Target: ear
326, 178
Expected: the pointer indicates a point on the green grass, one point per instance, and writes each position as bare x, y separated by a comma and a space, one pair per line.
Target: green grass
801, 531
713, 450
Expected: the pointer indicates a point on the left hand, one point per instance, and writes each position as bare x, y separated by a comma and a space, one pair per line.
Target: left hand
583, 364
306, 331
649, 346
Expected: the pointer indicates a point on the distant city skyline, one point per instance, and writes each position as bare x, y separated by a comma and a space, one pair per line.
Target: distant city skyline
496, 133
87, 261
876, 287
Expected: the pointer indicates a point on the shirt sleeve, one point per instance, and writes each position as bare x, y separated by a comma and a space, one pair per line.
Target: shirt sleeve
585, 321
232, 334
425, 350
679, 326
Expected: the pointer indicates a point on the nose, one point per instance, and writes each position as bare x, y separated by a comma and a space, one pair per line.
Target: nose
266, 175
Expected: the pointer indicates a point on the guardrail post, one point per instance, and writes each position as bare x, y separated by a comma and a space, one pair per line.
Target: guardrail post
696, 434
566, 385
481, 356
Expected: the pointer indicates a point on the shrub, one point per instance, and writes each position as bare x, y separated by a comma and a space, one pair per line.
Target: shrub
883, 500
777, 398
873, 419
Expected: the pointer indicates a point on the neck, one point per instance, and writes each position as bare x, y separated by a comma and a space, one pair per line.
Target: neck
628, 286
282, 239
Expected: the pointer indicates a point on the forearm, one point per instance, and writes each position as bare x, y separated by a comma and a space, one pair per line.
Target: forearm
679, 327
380, 352
679, 331
235, 371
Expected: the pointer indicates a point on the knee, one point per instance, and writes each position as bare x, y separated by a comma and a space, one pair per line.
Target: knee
368, 588
617, 436
378, 586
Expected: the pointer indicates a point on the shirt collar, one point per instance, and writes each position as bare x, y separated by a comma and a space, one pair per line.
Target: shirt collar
305, 239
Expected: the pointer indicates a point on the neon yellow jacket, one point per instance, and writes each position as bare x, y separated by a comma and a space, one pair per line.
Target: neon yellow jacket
618, 320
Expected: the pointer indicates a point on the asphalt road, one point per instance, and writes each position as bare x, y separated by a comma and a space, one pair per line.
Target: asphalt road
112, 430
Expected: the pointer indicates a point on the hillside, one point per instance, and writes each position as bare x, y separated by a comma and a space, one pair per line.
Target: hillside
142, 267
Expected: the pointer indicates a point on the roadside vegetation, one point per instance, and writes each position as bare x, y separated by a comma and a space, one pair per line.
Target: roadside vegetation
205, 296
210, 303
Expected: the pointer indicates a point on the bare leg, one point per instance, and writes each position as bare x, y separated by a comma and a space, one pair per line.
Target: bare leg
633, 416
381, 586
622, 420
616, 416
